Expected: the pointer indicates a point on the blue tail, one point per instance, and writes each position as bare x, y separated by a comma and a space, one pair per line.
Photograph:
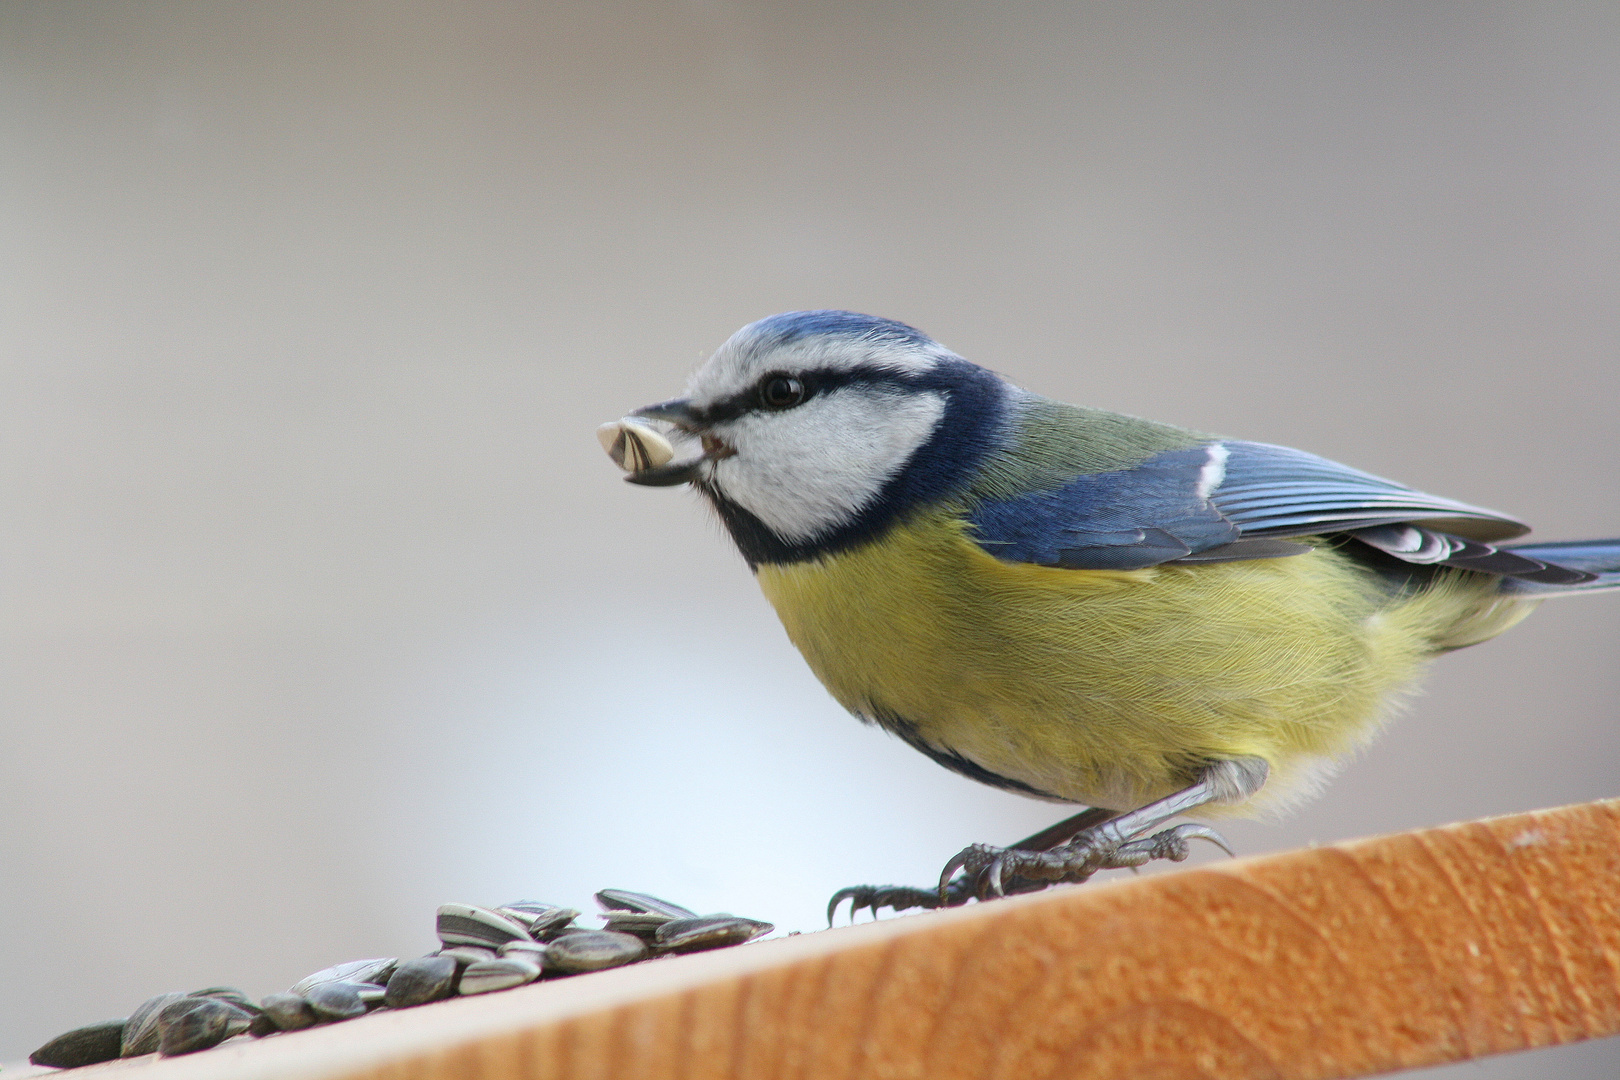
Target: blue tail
1600, 558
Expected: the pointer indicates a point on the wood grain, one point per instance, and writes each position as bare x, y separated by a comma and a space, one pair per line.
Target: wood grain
1348, 960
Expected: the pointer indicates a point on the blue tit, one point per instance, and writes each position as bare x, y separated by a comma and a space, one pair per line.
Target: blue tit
1078, 605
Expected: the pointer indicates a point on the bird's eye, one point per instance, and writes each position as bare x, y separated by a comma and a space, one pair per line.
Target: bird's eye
781, 392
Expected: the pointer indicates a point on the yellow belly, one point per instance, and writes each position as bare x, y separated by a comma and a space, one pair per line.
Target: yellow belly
1111, 688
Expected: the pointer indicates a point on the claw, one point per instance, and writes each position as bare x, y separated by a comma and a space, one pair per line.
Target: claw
994, 875
877, 897
1204, 832
1168, 844
958, 861
851, 894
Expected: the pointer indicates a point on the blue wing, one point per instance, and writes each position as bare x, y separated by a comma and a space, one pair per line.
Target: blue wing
1276, 491
1122, 520
1228, 500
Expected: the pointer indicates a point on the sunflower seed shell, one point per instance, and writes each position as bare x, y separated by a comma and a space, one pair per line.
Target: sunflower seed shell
141, 1030
334, 1001
198, 1024
532, 952
593, 950
467, 954
709, 932
359, 971
289, 1012
625, 900
542, 919
467, 924
502, 973
419, 981
87, 1045
633, 445
230, 995
643, 924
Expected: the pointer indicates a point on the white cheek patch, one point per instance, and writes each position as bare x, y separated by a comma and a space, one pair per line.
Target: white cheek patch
809, 470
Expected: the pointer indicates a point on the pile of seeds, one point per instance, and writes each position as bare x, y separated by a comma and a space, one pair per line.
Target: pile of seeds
484, 949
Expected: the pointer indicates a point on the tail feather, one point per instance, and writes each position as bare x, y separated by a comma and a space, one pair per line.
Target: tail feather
1599, 557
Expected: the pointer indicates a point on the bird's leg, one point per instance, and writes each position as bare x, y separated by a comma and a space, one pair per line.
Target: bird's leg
1073, 849
960, 889
1065, 830
1127, 840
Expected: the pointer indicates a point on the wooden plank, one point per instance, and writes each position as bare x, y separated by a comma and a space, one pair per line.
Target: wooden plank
1358, 958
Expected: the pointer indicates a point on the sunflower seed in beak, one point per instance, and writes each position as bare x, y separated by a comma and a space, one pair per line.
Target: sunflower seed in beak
634, 446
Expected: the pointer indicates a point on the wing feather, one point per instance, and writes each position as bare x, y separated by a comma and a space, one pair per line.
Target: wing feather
1225, 500
1278, 491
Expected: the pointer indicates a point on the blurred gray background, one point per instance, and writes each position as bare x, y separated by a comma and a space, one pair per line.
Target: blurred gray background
322, 606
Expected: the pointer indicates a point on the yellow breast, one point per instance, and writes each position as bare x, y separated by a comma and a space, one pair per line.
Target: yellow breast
1112, 687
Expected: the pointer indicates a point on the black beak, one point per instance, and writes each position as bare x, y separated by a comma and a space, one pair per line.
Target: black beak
678, 412
676, 472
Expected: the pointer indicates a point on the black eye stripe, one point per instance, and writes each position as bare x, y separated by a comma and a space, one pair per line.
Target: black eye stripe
816, 382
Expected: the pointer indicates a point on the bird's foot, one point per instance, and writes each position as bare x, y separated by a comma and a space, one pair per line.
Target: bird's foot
897, 898
981, 872
992, 871
1072, 850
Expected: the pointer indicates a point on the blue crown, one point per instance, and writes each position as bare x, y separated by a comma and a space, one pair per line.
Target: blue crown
791, 326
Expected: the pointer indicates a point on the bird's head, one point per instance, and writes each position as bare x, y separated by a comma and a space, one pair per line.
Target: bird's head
818, 428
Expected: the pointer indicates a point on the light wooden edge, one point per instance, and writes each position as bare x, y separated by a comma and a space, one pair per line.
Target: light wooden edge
1347, 960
